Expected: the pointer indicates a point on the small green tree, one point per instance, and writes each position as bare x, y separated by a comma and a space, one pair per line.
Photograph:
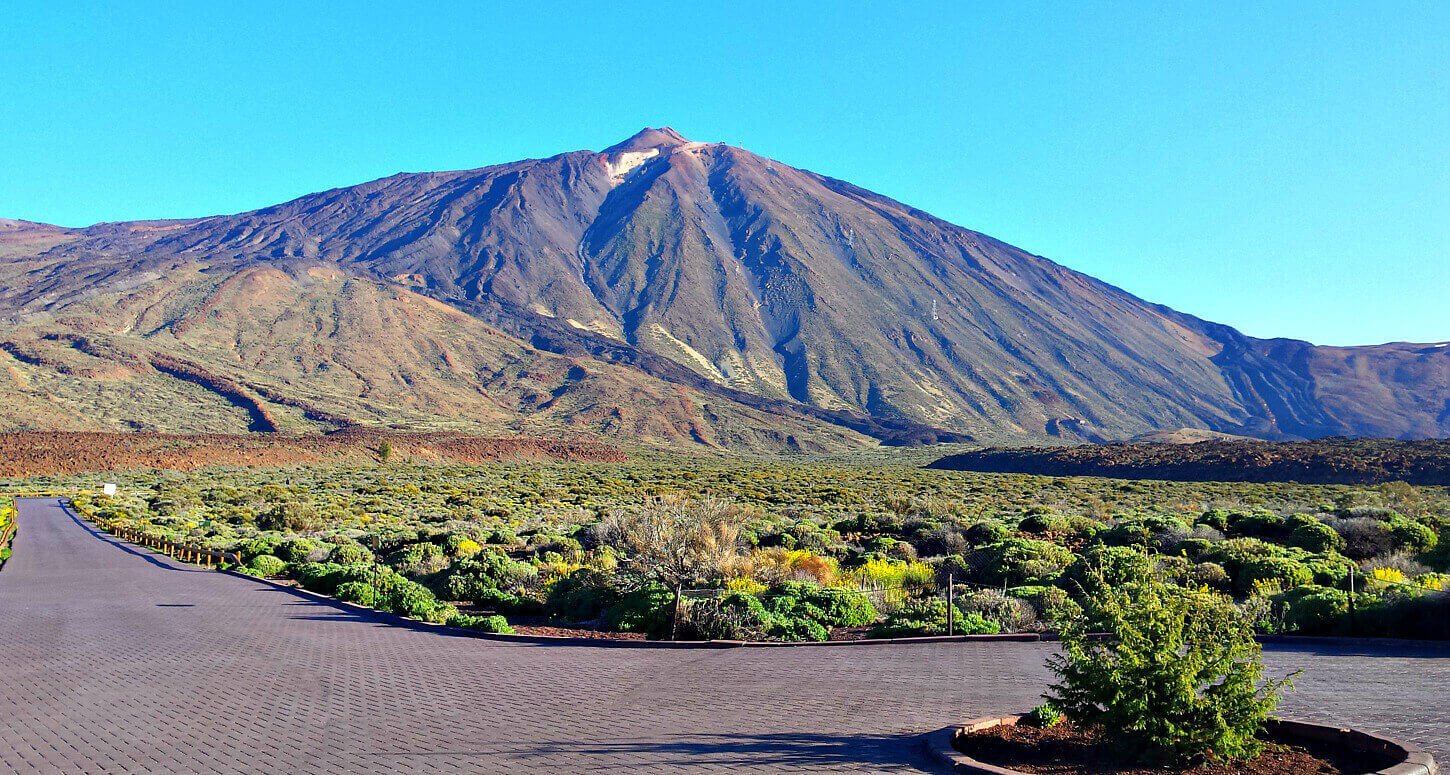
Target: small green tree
1177, 680
385, 450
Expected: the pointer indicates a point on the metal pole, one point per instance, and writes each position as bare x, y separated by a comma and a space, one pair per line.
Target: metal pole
951, 604
1353, 625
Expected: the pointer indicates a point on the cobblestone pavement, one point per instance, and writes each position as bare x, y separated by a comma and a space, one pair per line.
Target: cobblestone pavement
116, 660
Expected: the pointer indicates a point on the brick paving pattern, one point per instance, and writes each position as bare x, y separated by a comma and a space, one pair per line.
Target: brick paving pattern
116, 660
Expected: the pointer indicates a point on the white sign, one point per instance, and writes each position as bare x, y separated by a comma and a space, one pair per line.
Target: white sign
108, 489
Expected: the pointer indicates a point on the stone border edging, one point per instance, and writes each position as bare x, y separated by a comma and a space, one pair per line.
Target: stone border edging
1416, 761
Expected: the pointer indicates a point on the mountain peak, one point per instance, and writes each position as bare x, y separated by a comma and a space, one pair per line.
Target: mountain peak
650, 137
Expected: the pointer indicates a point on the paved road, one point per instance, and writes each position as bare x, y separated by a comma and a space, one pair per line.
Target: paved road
116, 660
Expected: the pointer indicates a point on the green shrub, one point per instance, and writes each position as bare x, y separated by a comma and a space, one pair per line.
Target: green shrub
302, 550
1439, 557
1406, 615
503, 537
319, 576
1234, 553
1126, 534
830, 607
914, 618
493, 624
1215, 518
441, 613
1411, 535
1084, 527
983, 533
292, 516
1112, 563
350, 554
1278, 571
1316, 537
262, 544
1313, 610
1043, 523
648, 610
974, 624
737, 616
1329, 570
482, 577
1194, 548
1045, 715
849, 608
1153, 529
409, 598
1178, 678
359, 592
929, 617
266, 565
1008, 613
582, 596
508, 602
1259, 524
418, 559
1018, 561
380, 578
1052, 603
1207, 574
793, 629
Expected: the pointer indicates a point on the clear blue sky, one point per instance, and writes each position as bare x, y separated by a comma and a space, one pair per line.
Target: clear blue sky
1281, 167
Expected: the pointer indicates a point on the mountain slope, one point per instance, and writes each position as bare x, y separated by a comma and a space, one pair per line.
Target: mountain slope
766, 287
299, 346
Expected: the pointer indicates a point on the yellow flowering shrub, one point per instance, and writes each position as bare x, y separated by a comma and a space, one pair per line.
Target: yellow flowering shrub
745, 585
1434, 582
884, 573
1388, 575
469, 547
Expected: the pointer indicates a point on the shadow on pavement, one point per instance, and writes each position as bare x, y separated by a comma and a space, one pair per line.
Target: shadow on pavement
1367, 647
343, 613
877, 751
107, 538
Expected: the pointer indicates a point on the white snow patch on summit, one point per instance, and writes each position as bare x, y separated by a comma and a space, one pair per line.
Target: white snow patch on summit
626, 162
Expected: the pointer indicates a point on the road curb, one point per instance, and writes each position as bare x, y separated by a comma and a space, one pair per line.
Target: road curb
1341, 640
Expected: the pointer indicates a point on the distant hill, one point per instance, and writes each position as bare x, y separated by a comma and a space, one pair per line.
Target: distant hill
1185, 436
1323, 461
661, 290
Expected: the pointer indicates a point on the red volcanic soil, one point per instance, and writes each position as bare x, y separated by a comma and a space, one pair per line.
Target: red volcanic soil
32, 453
1067, 750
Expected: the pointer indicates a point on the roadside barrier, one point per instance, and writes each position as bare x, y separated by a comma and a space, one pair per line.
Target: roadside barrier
7, 531
203, 557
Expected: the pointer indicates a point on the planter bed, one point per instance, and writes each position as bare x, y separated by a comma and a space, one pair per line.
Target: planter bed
1002, 746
